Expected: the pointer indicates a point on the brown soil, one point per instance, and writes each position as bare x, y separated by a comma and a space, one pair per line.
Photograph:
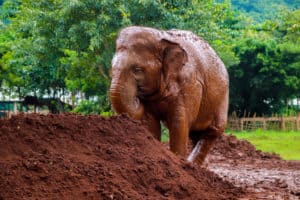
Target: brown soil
263, 175
90, 157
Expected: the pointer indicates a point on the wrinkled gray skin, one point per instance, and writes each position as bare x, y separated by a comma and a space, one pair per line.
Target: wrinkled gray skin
174, 77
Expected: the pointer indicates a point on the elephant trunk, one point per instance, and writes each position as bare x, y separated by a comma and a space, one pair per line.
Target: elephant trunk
123, 95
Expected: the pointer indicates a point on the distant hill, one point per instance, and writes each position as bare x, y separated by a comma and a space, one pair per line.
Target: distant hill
261, 10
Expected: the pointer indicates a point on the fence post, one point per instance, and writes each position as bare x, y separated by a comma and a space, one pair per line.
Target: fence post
282, 124
264, 124
298, 123
242, 124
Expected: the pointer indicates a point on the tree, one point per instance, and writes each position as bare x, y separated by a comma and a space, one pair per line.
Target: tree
67, 46
250, 82
52, 48
268, 74
7, 75
264, 10
290, 52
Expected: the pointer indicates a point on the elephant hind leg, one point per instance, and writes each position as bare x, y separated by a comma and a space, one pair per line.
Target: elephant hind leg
202, 143
195, 137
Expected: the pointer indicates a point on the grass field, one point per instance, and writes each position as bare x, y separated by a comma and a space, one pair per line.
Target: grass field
286, 144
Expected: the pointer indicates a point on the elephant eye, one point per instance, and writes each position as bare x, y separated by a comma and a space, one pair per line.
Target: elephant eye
137, 70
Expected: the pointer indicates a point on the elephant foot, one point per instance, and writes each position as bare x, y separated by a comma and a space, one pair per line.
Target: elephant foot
206, 146
196, 150
202, 146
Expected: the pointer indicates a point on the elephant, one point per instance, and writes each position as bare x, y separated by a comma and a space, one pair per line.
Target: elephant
173, 77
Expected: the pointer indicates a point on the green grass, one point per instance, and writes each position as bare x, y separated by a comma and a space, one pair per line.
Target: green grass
286, 144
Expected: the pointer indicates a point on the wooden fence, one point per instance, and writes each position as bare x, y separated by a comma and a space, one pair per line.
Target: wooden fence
264, 123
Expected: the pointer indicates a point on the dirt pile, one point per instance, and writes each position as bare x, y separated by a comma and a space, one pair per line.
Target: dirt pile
90, 157
229, 147
262, 175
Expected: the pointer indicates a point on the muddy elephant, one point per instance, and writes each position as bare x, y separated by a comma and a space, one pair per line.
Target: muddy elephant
173, 77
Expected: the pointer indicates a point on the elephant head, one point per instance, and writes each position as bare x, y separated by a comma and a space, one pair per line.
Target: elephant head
144, 65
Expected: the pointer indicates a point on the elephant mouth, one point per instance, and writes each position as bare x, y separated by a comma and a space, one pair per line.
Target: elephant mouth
145, 95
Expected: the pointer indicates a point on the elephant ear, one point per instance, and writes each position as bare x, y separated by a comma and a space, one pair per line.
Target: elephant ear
173, 59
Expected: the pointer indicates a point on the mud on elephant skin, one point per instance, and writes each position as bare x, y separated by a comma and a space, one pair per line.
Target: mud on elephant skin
174, 77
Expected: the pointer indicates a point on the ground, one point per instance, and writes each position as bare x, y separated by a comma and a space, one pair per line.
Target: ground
263, 175
71, 156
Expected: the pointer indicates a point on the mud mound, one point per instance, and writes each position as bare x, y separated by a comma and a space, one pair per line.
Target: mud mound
90, 157
263, 175
229, 147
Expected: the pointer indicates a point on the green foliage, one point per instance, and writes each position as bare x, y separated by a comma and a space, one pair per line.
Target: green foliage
264, 10
8, 9
255, 81
97, 105
268, 74
56, 48
87, 107
67, 46
107, 113
286, 144
164, 133
288, 111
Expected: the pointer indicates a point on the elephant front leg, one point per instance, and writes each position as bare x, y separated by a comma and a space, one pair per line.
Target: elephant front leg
178, 132
153, 125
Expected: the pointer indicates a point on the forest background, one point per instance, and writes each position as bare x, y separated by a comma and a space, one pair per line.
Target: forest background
63, 48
